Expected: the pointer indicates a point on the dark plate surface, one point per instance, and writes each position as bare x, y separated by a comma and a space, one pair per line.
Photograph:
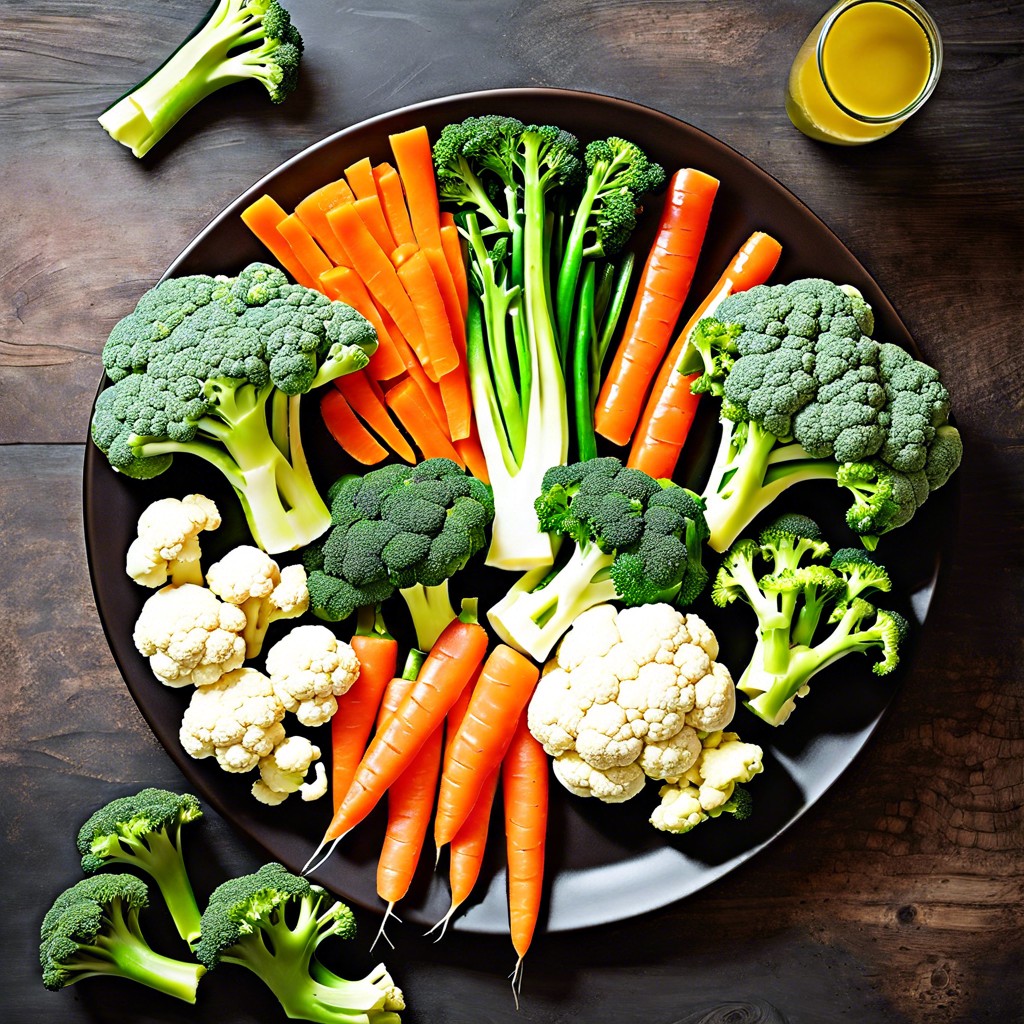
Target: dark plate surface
605, 863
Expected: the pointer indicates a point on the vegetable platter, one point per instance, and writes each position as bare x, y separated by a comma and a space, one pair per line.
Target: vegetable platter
603, 862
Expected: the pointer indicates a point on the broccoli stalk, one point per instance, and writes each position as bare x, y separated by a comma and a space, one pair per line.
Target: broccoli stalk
791, 599
808, 395
431, 610
272, 923
636, 540
240, 40
144, 831
215, 367
92, 929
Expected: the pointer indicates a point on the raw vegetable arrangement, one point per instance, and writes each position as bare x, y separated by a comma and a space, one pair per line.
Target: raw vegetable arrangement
511, 379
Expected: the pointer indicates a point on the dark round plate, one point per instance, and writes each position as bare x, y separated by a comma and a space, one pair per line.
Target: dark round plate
605, 863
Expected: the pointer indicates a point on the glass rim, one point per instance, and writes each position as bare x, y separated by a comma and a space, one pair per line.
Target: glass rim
931, 31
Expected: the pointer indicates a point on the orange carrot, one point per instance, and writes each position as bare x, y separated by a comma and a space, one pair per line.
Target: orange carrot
312, 211
344, 284
262, 218
452, 247
392, 199
416, 372
671, 407
309, 254
457, 398
524, 776
416, 169
410, 802
415, 273
506, 682
472, 454
350, 727
372, 215
408, 403
346, 429
448, 668
360, 176
664, 285
366, 400
372, 264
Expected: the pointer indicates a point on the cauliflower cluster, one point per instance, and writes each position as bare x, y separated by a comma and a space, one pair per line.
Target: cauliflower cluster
202, 636
628, 697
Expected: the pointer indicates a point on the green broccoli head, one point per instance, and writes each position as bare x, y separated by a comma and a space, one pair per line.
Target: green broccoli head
860, 572
394, 528
144, 831
93, 929
791, 538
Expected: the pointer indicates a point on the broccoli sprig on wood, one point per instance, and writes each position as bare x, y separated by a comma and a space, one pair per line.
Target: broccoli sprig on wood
796, 597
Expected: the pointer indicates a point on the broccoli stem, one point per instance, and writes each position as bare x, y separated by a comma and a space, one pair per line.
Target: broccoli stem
121, 950
540, 608
572, 261
583, 342
431, 611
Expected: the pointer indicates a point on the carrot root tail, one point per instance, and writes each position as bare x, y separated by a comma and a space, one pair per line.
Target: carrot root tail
309, 866
381, 933
443, 923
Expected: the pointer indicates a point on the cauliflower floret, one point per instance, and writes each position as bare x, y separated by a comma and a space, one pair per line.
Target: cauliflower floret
189, 636
250, 579
728, 762
283, 772
237, 720
671, 758
310, 668
167, 543
613, 785
679, 810
630, 689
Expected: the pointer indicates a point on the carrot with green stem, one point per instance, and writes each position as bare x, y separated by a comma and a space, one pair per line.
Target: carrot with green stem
410, 801
377, 651
450, 665
524, 778
506, 682
672, 406
661, 292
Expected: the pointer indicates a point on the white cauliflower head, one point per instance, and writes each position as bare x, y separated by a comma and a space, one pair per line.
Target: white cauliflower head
630, 689
310, 668
189, 636
167, 543
237, 720
283, 772
250, 579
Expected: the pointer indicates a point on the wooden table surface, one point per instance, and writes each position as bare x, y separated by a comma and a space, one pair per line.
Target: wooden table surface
898, 897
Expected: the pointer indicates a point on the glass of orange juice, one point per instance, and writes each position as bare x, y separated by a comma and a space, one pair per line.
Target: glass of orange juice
864, 69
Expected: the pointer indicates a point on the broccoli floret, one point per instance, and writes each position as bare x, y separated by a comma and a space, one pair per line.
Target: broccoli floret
272, 923
790, 599
215, 367
635, 539
93, 929
740, 805
240, 40
144, 831
808, 395
406, 528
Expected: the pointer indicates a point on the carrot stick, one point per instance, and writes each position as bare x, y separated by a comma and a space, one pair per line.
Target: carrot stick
455, 389
472, 454
378, 274
346, 429
416, 372
664, 285
671, 407
360, 176
416, 169
506, 682
415, 273
407, 402
392, 199
344, 284
367, 401
309, 254
377, 652
448, 668
410, 802
372, 215
262, 218
312, 211
452, 247
524, 776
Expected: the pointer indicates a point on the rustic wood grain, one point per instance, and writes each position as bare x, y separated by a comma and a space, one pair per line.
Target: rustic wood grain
898, 898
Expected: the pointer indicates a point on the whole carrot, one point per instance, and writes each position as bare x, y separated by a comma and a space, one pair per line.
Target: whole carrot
524, 776
671, 407
506, 682
664, 285
448, 668
377, 651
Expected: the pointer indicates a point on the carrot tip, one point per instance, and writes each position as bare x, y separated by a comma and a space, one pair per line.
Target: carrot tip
381, 933
443, 923
517, 980
309, 866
